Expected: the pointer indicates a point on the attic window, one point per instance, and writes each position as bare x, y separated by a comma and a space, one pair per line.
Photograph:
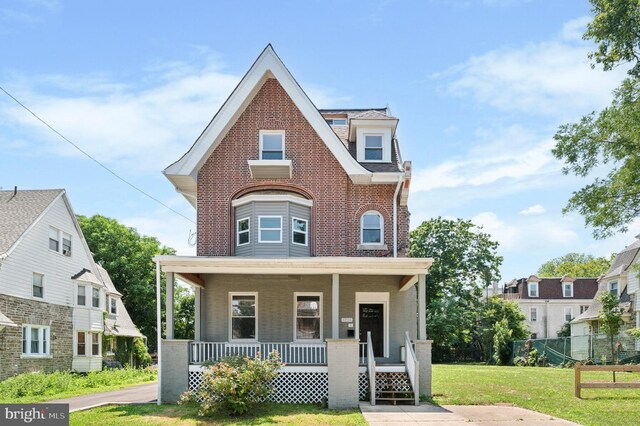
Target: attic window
373, 149
337, 121
533, 289
271, 145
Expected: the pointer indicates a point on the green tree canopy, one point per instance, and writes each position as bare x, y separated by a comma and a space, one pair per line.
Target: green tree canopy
608, 142
496, 316
127, 257
465, 262
575, 265
610, 316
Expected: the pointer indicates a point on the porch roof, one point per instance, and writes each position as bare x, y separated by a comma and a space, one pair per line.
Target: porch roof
410, 267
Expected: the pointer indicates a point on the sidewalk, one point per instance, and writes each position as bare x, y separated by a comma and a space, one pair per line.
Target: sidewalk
133, 394
456, 415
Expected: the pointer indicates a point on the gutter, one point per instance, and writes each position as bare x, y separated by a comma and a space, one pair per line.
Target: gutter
395, 216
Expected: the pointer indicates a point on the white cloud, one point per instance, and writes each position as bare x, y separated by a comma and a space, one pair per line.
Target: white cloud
575, 28
548, 78
172, 230
141, 130
514, 153
533, 210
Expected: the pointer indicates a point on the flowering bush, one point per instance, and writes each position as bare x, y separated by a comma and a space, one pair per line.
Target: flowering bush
234, 384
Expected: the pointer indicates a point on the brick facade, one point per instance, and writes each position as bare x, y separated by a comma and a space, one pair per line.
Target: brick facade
338, 203
24, 311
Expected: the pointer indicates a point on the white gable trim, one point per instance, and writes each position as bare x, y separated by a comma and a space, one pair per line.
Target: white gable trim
268, 65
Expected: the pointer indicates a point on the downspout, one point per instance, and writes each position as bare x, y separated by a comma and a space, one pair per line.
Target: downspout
159, 330
395, 216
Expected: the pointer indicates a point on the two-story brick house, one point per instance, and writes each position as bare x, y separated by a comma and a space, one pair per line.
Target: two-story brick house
301, 245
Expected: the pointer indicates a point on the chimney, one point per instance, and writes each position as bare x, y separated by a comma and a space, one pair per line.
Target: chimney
15, 191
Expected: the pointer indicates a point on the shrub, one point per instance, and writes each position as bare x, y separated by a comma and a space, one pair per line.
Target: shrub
532, 359
234, 385
520, 361
502, 342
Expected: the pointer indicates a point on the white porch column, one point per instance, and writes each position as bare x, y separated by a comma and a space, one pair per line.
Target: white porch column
169, 305
198, 313
335, 306
422, 311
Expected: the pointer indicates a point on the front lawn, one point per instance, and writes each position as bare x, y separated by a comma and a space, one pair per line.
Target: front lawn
40, 387
151, 414
547, 390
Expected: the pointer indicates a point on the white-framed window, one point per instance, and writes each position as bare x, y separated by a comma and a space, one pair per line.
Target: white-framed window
583, 308
113, 306
272, 144
243, 313
373, 147
95, 297
59, 241
38, 285
568, 313
533, 314
35, 340
299, 231
54, 239
372, 228
88, 343
66, 244
533, 289
243, 228
613, 287
337, 121
567, 289
270, 229
82, 295
308, 316
112, 345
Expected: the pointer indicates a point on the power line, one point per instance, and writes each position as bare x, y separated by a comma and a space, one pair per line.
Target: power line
92, 158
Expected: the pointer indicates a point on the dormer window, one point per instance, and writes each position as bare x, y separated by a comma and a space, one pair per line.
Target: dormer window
567, 289
373, 149
272, 145
613, 287
113, 307
337, 121
533, 289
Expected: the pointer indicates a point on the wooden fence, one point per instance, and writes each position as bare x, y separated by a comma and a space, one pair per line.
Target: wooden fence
579, 385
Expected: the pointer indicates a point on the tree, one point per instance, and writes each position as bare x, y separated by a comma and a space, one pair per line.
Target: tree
184, 316
610, 318
575, 265
127, 257
497, 315
611, 137
465, 262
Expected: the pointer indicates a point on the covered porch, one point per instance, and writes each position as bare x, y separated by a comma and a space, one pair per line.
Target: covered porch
299, 307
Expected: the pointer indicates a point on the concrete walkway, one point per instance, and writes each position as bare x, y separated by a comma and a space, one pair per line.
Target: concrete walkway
133, 394
456, 415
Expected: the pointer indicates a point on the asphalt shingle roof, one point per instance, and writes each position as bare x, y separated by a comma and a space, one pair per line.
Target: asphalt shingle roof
19, 211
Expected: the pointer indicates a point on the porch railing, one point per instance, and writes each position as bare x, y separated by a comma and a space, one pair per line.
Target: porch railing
411, 365
290, 353
363, 352
371, 369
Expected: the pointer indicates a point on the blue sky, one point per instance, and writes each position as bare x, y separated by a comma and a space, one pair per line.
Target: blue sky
479, 86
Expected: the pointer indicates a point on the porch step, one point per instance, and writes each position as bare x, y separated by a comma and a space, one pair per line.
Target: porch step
394, 388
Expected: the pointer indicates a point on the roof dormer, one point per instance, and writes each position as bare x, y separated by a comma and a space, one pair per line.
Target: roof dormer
373, 132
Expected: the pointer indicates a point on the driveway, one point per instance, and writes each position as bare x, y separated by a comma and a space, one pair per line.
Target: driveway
133, 394
456, 415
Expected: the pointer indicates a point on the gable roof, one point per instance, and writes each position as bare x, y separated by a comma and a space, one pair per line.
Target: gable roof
106, 279
88, 277
5, 321
19, 210
183, 173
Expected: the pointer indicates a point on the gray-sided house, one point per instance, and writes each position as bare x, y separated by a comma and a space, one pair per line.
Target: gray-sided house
52, 294
302, 245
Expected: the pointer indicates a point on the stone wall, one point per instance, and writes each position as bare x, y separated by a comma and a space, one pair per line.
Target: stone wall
24, 311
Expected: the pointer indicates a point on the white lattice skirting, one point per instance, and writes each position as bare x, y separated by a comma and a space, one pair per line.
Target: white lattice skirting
290, 386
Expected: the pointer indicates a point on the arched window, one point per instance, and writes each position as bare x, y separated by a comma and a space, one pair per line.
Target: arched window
371, 228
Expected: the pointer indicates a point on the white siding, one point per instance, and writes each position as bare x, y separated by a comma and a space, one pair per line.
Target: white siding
632, 281
88, 319
33, 255
550, 317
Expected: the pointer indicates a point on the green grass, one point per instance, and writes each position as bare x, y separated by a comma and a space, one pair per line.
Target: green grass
39, 387
150, 414
547, 390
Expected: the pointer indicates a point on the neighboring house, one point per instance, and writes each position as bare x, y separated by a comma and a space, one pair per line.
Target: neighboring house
301, 245
622, 279
549, 303
52, 298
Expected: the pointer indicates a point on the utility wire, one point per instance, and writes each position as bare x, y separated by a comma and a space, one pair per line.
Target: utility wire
92, 158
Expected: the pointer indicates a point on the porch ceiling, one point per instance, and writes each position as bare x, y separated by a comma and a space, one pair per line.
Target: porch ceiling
406, 266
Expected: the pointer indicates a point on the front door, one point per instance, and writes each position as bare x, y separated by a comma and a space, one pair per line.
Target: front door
371, 318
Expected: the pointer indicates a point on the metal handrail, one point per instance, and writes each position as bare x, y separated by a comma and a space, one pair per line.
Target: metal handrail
371, 367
